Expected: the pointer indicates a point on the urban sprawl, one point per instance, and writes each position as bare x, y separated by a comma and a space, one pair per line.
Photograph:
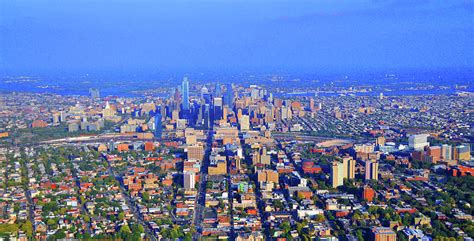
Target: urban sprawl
233, 162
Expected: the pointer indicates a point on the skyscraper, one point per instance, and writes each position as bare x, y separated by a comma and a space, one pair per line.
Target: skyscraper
337, 174
218, 90
207, 116
349, 164
185, 91
217, 108
158, 125
229, 96
341, 170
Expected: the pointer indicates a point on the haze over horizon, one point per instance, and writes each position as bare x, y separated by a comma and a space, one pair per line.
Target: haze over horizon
234, 35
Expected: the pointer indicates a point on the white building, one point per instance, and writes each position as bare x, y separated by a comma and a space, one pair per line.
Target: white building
418, 142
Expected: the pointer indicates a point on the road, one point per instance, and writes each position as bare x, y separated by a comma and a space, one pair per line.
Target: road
83, 209
132, 205
201, 194
303, 137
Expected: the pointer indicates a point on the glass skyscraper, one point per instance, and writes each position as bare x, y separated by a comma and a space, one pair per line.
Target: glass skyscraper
229, 96
185, 91
158, 125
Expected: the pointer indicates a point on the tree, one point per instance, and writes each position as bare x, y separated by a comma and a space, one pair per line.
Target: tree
60, 234
141, 229
359, 235
285, 227
27, 227
125, 229
146, 196
121, 216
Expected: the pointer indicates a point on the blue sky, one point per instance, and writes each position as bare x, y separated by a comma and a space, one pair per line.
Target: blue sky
142, 35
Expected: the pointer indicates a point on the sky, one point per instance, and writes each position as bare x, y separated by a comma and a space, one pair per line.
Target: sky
237, 35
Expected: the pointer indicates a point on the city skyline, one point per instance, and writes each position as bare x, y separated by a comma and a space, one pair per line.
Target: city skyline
239, 120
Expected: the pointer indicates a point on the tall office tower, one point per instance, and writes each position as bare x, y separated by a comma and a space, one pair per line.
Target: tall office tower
381, 96
218, 90
311, 104
371, 170
254, 94
229, 96
95, 93
349, 165
338, 174
200, 115
158, 125
185, 90
217, 108
189, 180
446, 152
418, 142
207, 116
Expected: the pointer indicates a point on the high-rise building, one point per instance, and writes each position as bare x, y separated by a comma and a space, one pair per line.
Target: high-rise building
207, 116
158, 125
446, 152
218, 108
218, 90
56, 118
418, 142
189, 180
462, 152
349, 165
341, 170
229, 96
337, 174
245, 123
185, 91
371, 170
62, 116
434, 154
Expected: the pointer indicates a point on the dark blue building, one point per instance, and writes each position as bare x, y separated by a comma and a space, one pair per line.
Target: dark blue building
158, 125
